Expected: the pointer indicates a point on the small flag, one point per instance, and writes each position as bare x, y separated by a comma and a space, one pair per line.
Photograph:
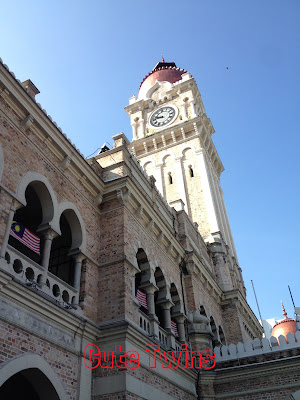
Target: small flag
142, 298
174, 328
26, 237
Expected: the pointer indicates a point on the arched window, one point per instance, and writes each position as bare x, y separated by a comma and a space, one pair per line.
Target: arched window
65, 246
202, 311
61, 263
170, 178
176, 309
175, 299
160, 295
28, 218
142, 278
215, 338
222, 336
191, 171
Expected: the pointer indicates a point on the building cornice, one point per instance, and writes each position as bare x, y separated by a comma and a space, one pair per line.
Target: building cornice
33, 117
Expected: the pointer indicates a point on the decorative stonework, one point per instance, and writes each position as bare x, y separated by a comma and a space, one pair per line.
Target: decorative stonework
34, 324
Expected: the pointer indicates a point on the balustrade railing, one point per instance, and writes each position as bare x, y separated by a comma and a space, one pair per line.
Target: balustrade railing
163, 337
30, 273
144, 322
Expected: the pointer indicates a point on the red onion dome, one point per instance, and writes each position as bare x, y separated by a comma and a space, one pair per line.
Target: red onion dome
285, 326
163, 71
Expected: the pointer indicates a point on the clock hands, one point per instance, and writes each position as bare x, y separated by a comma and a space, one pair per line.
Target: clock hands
162, 117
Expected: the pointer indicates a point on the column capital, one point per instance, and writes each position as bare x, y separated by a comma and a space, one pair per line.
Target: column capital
77, 255
15, 205
166, 304
47, 232
159, 165
149, 287
179, 317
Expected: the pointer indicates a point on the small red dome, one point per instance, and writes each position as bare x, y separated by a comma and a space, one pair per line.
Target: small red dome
285, 326
163, 71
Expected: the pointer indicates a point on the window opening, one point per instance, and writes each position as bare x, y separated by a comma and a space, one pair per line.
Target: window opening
30, 217
61, 264
191, 171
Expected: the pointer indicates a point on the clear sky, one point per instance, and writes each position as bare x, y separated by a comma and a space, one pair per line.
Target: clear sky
88, 57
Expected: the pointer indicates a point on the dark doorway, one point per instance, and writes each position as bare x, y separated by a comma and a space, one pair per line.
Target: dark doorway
18, 387
29, 384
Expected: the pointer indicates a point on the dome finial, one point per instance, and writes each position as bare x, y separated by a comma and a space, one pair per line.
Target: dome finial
162, 58
283, 310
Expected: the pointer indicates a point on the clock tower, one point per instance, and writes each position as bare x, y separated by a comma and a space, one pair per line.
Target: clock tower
172, 141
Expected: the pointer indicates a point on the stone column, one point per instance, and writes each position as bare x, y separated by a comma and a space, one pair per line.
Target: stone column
166, 306
77, 274
49, 235
180, 327
134, 130
141, 128
15, 205
150, 290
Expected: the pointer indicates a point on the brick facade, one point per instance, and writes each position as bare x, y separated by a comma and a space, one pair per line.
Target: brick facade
106, 230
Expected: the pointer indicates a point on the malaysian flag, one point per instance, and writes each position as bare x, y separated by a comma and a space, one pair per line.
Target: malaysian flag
174, 328
142, 298
26, 237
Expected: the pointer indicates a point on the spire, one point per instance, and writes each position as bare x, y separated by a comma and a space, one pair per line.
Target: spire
162, 58
283, 310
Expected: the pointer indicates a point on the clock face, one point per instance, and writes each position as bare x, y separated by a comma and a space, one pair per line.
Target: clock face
163, 116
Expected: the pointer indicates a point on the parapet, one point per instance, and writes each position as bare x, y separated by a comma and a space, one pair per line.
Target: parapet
257, 347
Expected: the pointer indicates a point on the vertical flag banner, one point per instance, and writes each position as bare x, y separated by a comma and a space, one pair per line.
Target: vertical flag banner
26, 237
174, 328
142, 298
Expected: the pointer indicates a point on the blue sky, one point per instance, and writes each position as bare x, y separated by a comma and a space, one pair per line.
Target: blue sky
87, 59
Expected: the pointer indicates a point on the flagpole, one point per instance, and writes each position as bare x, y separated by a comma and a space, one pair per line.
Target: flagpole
258, 308
291, 296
